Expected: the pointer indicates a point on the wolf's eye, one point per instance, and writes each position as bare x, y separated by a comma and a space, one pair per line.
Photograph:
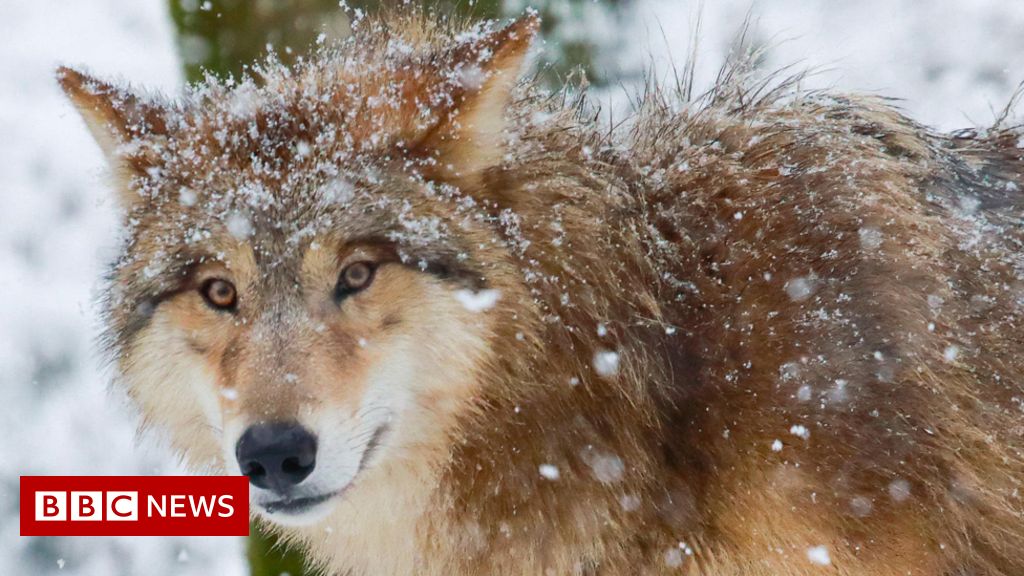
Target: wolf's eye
219, 294
354, 278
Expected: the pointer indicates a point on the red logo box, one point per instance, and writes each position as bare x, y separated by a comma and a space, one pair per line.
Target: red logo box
134, 506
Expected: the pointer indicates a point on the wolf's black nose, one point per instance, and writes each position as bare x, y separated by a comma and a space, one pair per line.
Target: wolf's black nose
276, 455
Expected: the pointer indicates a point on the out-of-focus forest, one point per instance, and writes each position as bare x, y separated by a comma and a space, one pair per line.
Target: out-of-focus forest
224, 37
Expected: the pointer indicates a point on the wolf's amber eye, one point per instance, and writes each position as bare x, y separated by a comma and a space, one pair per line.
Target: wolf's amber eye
354, 278
219, 294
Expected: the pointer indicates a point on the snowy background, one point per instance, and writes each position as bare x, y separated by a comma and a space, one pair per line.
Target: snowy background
955, 64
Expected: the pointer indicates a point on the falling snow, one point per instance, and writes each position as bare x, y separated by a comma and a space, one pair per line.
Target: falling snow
549, 471
951, 353
899, 490
800, 431
606, 363
239, 226
673, 557
819, 555
606, 467
800, 289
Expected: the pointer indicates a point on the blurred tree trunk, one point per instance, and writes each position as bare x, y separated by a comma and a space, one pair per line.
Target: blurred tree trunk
225, 36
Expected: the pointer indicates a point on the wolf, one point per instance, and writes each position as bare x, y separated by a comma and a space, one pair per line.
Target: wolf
448, 323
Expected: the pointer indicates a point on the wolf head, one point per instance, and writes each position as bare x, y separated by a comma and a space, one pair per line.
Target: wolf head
312, 276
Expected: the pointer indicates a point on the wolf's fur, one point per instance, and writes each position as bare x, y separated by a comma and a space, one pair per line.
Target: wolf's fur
815, 305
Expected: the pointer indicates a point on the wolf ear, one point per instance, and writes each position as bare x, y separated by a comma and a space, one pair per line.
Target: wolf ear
118, 121
479, 77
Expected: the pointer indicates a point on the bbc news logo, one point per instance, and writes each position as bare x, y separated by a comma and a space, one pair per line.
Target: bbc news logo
99, 506
134, 506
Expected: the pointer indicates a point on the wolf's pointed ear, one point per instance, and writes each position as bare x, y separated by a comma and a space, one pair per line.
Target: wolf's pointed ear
118, 120
480, 76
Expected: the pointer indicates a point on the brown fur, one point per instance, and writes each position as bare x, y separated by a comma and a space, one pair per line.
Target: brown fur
758, 262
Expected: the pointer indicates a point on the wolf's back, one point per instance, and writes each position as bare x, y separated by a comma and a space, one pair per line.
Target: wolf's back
858, 298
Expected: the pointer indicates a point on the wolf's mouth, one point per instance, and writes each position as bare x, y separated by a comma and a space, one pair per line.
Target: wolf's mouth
296, 505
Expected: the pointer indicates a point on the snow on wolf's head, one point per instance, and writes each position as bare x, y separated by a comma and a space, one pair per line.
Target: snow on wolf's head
311, 282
